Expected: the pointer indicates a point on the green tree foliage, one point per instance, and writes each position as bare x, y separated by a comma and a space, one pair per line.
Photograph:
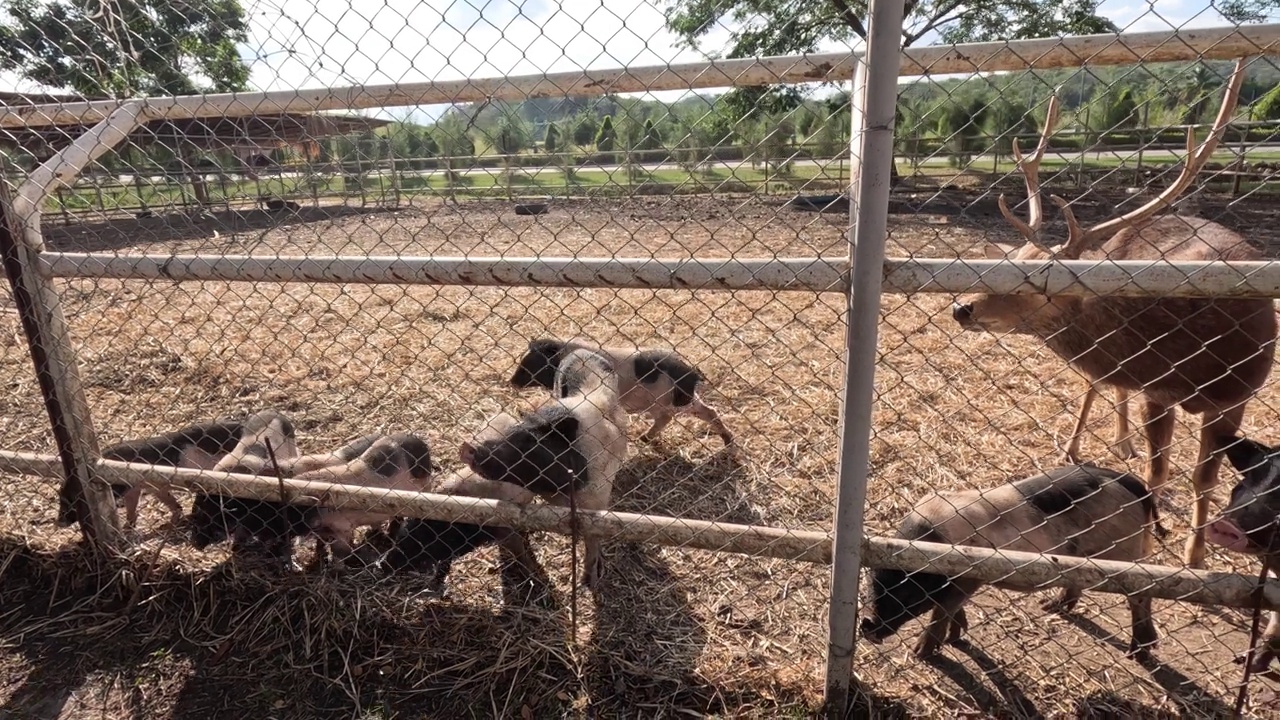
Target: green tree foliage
1268, 106
781, 27
606, 138
960, 125
584, 131
452, 137
1005, 121
512, 136
551, 143
1120, 110
126, 48
652, 138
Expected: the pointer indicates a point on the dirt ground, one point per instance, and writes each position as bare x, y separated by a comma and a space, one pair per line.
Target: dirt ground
178, 633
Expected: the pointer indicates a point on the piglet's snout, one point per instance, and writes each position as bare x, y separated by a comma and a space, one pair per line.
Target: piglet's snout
1225, 533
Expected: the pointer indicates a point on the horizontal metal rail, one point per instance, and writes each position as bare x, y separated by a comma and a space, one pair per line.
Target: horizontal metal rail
1137, 278
1223, 43
1031, 571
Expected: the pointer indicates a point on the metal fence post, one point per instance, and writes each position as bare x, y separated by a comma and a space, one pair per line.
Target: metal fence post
874, 101
49, 343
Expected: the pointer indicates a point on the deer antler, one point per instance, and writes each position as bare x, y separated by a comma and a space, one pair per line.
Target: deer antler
1079, 240
1030, 168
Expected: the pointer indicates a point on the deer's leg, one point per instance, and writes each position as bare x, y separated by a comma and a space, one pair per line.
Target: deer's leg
1159, 420
1072, 454
1205, 477
1123, 445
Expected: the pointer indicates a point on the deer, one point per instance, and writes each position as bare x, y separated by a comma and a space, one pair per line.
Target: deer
1122, 443
1209, 356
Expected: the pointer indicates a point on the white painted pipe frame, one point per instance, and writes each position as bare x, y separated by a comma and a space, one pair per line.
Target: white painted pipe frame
45, 326
1031, 571
874, 100
1258, 279
1221, 43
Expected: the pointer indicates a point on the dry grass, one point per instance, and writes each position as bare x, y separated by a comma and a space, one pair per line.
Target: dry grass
184, 634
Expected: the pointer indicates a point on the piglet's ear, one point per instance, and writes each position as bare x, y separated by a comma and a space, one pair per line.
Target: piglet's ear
1243, 453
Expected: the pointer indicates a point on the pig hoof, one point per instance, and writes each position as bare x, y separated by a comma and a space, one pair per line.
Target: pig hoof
1140, 653
1064, 603
1261, 661
926, 649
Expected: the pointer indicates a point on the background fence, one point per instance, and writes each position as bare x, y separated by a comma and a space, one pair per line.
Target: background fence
400, 291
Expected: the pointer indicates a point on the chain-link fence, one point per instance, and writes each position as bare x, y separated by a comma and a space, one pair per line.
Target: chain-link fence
359, 285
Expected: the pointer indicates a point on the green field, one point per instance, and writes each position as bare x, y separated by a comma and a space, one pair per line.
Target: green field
490, 182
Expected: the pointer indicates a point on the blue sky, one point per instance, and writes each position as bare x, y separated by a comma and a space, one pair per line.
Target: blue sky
317, 43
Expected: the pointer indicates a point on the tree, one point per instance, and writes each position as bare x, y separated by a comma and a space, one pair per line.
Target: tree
1120, 111
551, 143
429, 145
1268, 106
785, 27
1006, 120
512, 135
960, 126
651, 139
126, 48
606, 137
778, 27
584, 132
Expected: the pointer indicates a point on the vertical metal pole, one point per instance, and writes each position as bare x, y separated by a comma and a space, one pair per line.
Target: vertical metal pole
50, 345
875, 97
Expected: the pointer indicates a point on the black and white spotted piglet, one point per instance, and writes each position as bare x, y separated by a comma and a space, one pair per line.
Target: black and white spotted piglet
1080, 510
568, 451
653, 381
198, 446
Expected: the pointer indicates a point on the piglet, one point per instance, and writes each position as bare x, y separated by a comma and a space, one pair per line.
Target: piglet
654, 381
568, 451
1248, 524
1081, 511
215, 517
198, 446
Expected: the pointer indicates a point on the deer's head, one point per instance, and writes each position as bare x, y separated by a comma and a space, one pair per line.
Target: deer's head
1030, 312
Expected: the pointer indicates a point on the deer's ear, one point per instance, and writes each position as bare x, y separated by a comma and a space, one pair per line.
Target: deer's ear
993, 251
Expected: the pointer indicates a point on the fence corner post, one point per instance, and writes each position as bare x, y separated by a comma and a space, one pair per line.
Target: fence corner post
874, 103
49, 343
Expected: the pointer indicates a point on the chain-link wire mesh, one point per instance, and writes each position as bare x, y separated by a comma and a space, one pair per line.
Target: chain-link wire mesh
755, 173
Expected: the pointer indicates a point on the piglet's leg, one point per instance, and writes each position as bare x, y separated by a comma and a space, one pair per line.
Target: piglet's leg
1144, 629
707, 414
661, 419
1268, 646
176, 514
959, 626
940, 624
131, 498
